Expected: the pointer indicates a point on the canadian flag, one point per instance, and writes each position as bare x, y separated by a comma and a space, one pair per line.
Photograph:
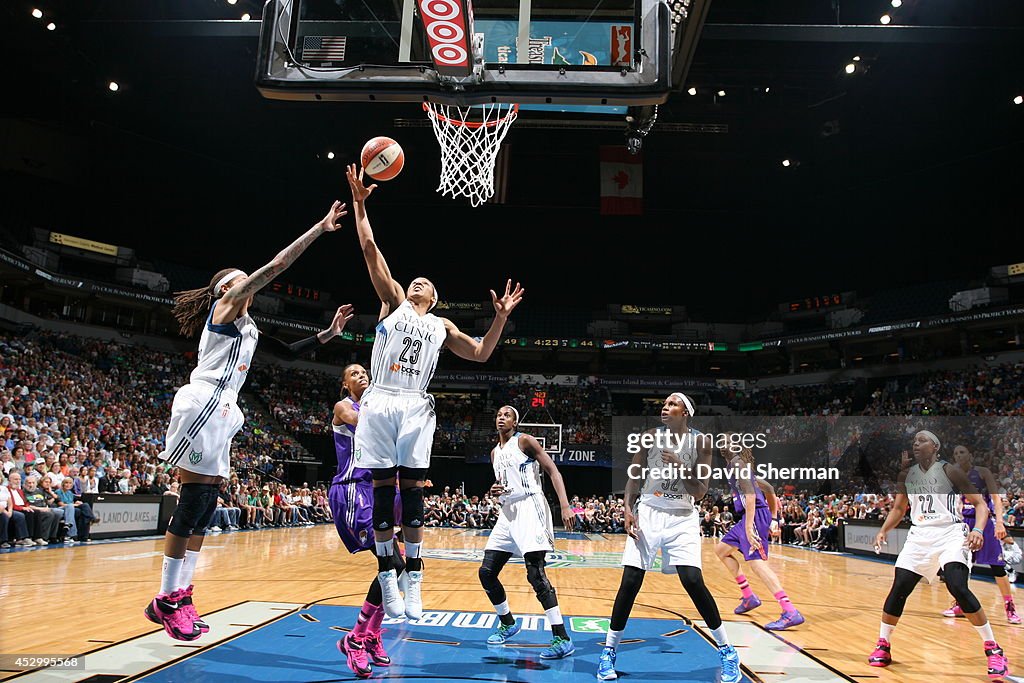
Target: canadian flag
622, 182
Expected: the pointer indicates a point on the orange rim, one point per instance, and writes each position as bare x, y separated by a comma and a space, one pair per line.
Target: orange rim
470, 124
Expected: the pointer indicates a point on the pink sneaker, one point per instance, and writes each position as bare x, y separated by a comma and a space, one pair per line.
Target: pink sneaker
881, 656
375, 648
167, 611
186, 604
953, 611
355, 656
998, 664
1011, 613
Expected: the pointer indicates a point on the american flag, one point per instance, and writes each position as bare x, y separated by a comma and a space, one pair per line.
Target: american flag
323, 48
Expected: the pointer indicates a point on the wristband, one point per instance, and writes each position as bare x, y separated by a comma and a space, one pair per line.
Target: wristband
980, 531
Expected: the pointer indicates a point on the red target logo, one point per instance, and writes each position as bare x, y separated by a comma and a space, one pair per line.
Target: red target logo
449, 28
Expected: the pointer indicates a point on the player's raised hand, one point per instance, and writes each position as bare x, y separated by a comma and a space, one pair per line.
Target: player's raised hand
341, 318
331, 221
503, 306
905, 460
355, 183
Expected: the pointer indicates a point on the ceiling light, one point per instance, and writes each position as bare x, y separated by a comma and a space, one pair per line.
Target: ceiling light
897, 3
885, 19
113, 86
786, 163
851, 67
692, 91
1019, 99
856, 58
246, 17
330, 155
51, 26
721, 93
37, 13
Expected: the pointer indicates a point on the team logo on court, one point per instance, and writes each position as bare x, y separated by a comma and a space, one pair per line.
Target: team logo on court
588, 625
195, 456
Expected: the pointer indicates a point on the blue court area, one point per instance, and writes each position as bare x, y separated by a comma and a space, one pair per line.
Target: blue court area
449, 646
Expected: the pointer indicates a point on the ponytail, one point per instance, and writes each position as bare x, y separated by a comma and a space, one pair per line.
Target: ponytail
191, 306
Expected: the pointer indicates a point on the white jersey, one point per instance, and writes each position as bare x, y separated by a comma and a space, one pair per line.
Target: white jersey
406, 348
670, 493
933, 499
515, 470
225, 352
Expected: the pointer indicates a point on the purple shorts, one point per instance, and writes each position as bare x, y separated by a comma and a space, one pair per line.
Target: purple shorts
352, 506
992, 552
737, 535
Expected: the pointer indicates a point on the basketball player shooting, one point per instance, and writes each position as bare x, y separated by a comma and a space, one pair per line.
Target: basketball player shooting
396, 426
938, 539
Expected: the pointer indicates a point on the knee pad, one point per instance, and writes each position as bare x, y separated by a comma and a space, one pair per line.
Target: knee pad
195, 509
998, 570
383, 508
902, 586
632, 579
539, 579
691, 577
957, 576
412, 507
413, 473
380, 473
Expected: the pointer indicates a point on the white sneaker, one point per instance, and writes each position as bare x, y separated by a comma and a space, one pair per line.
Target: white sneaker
413, 599
40, 541
214, 528
394, 605
25, 542
403, 582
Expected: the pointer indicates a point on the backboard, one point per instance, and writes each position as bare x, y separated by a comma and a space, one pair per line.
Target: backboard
470, 52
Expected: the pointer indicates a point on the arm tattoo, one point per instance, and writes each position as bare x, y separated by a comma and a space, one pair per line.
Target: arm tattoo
265, 275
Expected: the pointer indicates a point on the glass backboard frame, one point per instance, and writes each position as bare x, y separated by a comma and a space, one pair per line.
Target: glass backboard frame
647, 81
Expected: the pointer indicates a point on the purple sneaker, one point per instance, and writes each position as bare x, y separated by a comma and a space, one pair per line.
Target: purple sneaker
787, 620
747, 604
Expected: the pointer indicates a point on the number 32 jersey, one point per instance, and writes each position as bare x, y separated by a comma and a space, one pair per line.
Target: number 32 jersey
406, 348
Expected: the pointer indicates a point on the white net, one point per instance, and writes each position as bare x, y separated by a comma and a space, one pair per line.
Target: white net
470, 138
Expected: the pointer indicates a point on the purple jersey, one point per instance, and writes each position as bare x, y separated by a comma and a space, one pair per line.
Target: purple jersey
978, 482
737, 494
351, 494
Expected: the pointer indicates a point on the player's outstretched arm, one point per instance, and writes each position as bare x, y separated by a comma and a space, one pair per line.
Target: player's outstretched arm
464, 346
389, 291
532, 448
345, 414
234, 299
296, 349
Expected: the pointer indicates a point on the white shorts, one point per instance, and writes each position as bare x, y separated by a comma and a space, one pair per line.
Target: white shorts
203, 422
930, 547
524, 526
396, 429
676, 533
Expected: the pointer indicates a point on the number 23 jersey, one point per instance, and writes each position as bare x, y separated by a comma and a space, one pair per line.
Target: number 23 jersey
406, 348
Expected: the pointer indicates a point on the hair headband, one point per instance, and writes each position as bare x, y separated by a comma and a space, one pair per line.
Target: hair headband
224, 280
931, 437
686, 402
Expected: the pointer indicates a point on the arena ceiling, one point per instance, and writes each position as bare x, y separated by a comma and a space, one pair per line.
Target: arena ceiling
903, 171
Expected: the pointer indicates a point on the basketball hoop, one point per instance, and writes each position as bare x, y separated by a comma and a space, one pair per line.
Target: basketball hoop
470, 138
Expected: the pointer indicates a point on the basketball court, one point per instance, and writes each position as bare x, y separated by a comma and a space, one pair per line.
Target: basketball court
279, 600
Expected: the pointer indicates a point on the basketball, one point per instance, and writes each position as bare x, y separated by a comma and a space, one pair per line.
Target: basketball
382, 158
